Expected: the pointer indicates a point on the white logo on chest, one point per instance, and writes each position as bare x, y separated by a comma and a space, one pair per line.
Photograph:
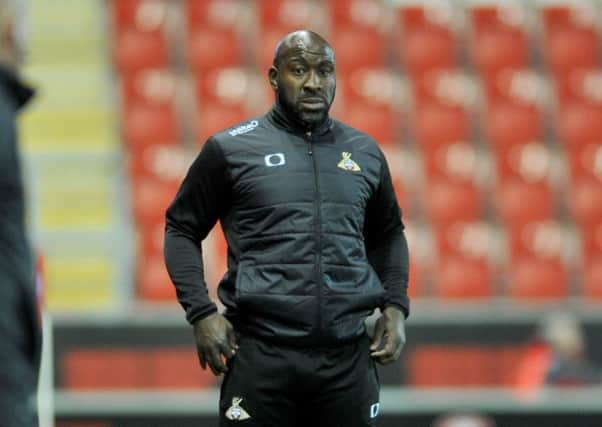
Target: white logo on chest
276, 159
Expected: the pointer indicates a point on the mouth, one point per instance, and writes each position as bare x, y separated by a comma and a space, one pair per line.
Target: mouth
313, 103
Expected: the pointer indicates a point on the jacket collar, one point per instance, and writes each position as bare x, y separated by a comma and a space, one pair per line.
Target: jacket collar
281, 119
14, 87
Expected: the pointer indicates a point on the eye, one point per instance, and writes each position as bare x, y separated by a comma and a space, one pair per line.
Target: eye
326, 72
299, 71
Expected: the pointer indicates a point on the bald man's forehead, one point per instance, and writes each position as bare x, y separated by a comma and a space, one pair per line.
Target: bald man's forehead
301, 52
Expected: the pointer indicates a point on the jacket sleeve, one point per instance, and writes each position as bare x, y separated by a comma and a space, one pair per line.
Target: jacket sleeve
385, 242
201, 200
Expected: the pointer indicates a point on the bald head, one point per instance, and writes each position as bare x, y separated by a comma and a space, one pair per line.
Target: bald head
303, 77
300, 42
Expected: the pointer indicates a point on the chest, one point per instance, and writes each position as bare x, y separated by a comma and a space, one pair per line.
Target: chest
295, 171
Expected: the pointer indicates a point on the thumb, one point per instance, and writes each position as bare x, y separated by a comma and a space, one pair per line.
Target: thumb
232, 339
379, 332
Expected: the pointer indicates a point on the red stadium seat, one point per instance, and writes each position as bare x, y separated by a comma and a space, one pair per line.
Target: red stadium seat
585, 201
369, 85
443, 86
427, 40
215, 118
213, 14
224, 86
543, 240
268, 40
292, 14
163, 162
136, 50
585, 161
151, 198
380, 122
579, 123
455, 162
591, 287
580, 85
211, 48
153, 282
470, 240
416, 286
143, 15
458, 278
447, 202
513, 86
359, 14
536, 279
495, 49
570, 39
508, 124
150, 86
591, 240
530, 163
348, 42
150, 239
148, 124
498, 40
510, 203
437, 124
424, 49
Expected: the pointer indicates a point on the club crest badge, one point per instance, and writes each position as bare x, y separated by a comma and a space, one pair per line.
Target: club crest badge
236, 412
348, 164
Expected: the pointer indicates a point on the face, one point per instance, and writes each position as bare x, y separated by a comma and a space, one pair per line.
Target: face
305, 82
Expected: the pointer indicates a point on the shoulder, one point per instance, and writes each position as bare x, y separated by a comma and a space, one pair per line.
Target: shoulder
359, 140
241, 132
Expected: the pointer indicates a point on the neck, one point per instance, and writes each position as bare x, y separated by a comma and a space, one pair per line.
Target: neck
289, 120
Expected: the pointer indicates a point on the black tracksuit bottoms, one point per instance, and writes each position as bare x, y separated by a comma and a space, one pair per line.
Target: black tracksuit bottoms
269, 385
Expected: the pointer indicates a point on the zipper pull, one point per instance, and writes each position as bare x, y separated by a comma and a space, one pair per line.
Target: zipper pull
308, 137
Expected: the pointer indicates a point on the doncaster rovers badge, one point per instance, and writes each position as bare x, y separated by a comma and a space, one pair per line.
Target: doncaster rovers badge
348, 164
236, 412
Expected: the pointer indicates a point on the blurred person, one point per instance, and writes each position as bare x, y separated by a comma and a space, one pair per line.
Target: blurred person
20, 336
464, 420
315, 245
556, 357
568, 362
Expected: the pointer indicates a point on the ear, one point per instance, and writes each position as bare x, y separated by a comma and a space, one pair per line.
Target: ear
273, 77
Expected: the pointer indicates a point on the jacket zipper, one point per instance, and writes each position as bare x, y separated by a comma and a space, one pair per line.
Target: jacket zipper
318, 234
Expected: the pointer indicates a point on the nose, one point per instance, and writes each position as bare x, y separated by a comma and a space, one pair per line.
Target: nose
313, 81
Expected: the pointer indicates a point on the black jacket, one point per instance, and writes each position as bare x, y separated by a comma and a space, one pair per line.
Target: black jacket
315, 238
20, 336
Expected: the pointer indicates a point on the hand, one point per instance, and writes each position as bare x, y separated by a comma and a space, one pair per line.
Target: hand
389, 336
215, 336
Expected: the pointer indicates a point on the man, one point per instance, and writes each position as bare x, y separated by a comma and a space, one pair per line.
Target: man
19, 327
315, 244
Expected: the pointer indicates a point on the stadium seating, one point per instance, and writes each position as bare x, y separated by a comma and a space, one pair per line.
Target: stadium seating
136, 50
498, 40
534, 279
455, 84
570, 40
427, 40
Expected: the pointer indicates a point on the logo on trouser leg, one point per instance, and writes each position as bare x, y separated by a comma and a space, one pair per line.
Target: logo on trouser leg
236, 412
374, 410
